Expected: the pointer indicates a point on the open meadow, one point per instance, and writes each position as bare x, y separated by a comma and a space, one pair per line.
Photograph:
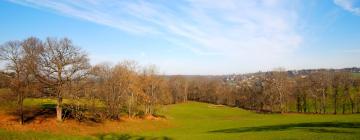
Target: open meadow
192, 120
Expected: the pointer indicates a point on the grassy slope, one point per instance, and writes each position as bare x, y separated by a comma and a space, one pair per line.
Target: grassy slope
199, 121
203, 121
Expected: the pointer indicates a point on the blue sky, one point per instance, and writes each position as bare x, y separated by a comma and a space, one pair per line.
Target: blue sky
197, 36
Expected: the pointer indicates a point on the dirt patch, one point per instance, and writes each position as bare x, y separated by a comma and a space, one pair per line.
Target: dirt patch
72, 127
216, 106
152, 117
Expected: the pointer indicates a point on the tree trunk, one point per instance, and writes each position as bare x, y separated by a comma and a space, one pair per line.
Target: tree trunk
186, 92
130, 105
20, 105
324, 102
282, 110
304, 104
357, 106
298, 104
59, 109
352, 106
335, 101
315, 106
152, 100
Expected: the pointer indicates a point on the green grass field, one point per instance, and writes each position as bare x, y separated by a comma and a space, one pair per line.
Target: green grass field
198, 121
356, 74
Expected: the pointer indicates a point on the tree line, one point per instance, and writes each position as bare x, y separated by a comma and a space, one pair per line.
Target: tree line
321, 91
58, 69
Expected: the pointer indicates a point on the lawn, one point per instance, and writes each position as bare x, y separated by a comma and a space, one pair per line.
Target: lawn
196, 121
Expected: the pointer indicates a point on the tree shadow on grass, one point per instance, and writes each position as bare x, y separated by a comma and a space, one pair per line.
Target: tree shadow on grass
317, 127
44, 111
31, 113
322, 130
114, 136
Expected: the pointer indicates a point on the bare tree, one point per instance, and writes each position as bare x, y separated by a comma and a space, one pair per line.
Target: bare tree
150, 82
12, 52
320, 83
301, 92
347, 96
127, 73
179, 88
109, 89
337, 84
282, 87
357, 94
58, 63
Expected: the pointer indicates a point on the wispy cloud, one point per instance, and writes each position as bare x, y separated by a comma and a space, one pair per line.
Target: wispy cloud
256, 28
348, 5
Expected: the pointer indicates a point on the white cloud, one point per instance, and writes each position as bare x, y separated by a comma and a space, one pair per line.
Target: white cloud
259, 29
348, 5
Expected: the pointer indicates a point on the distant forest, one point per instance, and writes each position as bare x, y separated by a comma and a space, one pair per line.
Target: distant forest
56, 68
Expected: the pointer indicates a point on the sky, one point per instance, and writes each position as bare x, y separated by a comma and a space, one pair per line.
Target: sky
196, 36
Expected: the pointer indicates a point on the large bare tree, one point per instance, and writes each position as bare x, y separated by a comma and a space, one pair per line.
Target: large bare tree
59, 63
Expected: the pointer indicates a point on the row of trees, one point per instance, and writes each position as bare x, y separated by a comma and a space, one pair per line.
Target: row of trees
318, 92
56, 68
